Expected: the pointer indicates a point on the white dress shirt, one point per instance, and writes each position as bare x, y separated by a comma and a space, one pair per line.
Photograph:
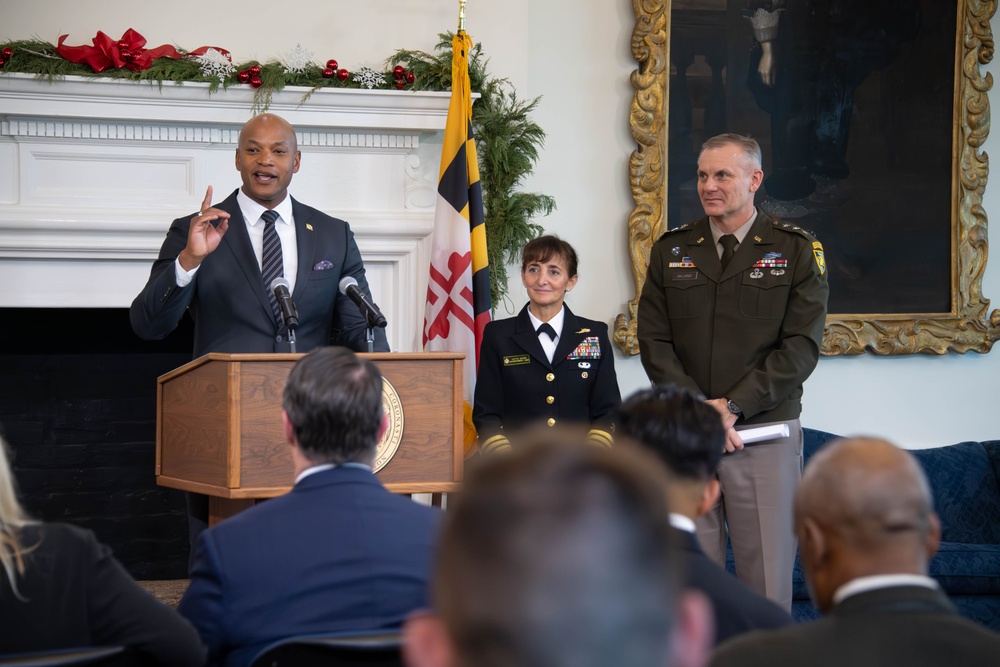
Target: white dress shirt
865, 584
549, 344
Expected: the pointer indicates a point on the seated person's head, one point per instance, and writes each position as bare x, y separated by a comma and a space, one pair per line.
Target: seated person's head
863, 508
560, 553
333, 407
686, 434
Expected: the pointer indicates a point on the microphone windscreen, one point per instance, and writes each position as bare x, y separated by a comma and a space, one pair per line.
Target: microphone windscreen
280, 282
346, 282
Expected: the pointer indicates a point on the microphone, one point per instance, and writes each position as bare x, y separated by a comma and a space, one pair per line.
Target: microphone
349, 287
289, 314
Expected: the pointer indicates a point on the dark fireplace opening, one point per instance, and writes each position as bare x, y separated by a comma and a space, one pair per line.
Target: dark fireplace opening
78, 409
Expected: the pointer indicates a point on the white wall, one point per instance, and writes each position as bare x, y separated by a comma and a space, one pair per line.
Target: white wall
578, 59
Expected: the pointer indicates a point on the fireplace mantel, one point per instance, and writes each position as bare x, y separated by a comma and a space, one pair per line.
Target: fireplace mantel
92, 171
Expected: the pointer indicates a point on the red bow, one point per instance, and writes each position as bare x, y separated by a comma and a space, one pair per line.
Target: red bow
126, 52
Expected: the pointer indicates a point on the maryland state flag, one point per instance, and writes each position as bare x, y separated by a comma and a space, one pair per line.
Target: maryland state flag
458, 291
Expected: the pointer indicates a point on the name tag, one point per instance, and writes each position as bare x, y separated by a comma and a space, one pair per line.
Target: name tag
516, 360
684, 275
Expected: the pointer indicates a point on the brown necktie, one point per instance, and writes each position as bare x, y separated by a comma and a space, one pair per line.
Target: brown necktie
729, 243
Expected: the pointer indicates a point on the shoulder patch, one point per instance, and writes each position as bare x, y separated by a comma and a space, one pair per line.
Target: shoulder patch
817, 249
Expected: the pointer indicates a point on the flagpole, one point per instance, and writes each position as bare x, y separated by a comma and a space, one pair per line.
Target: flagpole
461, 16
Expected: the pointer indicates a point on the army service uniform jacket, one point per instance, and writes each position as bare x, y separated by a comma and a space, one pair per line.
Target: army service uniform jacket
517, 384
751, 333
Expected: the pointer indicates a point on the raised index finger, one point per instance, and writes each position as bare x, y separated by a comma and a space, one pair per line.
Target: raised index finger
207, 203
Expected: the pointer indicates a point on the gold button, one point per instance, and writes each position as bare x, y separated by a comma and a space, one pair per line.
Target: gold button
584, 375
550, 399
550, 377
551, 422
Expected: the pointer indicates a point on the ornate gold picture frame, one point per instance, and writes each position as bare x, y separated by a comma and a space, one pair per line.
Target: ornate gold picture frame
968, 325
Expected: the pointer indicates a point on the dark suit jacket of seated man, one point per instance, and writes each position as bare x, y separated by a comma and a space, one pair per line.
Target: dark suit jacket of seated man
337, 553
211, 262
867, 531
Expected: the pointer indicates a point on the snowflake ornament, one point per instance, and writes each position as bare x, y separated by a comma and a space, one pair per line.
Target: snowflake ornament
215, 64
368, 78
297, 59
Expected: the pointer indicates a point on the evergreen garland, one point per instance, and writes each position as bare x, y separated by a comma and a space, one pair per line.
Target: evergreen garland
508, 142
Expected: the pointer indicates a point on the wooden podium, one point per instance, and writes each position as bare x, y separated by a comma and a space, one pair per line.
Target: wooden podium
219, 430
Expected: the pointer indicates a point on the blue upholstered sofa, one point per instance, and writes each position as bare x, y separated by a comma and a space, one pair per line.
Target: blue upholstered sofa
965, 480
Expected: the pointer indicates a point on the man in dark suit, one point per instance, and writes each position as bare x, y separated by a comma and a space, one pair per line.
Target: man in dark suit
560, 554
867, 529
688, 436
733, 308
212, 263
337, 553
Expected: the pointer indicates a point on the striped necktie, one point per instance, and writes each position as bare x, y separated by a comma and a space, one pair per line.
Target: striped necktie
271, 264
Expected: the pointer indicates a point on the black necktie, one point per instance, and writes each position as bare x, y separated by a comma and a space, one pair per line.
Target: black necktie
271, 263
546, 328
729, 243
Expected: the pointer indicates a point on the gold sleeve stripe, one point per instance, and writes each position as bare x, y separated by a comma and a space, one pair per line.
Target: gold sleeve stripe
495, 443
599, 437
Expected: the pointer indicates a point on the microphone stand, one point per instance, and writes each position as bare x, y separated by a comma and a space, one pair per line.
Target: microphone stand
370, 331
291, 340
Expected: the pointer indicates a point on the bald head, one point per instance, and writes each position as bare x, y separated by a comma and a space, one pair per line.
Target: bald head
266, 158
864, 507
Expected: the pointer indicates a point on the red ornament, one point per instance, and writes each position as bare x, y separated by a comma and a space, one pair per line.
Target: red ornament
329, 73
255, 82
398, 71
243, 76
400, 84
6, 52
332, 64
3, 63
254, 71
410, 77
343, 74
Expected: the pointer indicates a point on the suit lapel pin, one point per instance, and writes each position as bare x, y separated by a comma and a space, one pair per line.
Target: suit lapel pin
309, 227
583, 331
757, 239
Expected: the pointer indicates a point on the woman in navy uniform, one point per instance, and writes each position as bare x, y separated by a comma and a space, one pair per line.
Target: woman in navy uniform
546, 364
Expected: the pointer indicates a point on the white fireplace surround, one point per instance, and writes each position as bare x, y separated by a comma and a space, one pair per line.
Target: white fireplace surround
92, 172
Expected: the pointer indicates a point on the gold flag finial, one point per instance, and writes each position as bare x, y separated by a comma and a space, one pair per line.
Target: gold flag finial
461, 15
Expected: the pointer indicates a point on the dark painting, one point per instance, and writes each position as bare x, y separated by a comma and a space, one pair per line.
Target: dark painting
854, 109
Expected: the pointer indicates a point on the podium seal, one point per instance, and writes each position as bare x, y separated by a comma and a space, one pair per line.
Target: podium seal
392, 407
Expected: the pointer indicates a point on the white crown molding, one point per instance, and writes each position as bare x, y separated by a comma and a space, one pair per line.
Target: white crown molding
82, 98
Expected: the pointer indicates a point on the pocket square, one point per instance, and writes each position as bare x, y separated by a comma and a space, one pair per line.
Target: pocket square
325, 265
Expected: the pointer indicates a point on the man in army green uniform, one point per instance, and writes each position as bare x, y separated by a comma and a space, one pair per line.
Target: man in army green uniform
734, 307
